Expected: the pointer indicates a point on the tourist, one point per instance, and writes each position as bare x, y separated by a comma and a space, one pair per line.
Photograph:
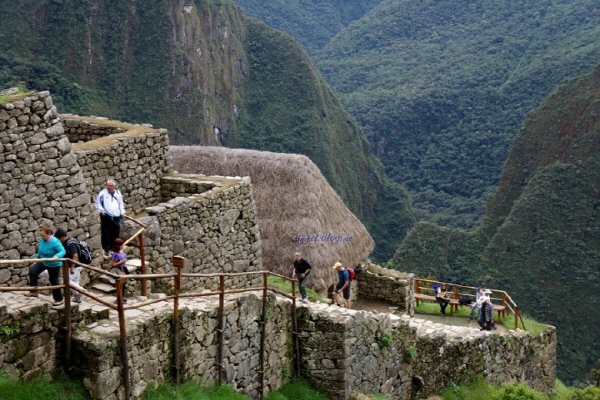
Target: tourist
486, 314
301, 271
72, 249
117, 263
476, 304
48, 247
343, 285
442, 299
109, 204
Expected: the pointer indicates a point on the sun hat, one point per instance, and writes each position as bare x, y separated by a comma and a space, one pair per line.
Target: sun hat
487, 291
337, 265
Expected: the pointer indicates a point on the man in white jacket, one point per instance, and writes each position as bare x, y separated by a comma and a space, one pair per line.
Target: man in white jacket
109, 204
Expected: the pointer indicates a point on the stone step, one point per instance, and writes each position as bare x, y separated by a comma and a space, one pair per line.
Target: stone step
104, 288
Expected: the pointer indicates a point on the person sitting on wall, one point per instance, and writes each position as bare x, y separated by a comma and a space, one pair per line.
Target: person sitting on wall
343, 285
109, 204
301, 271
477, 304
48, 247
442, 299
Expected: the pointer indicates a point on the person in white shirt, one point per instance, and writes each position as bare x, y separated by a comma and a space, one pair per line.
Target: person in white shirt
109, 204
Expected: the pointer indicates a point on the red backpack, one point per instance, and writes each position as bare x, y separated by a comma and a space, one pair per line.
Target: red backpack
351, 273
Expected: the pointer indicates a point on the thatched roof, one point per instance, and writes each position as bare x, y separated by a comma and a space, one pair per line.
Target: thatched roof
292, 199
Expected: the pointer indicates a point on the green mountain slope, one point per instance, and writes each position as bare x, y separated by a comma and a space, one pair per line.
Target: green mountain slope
440, 87
540, 238
289, 108
210, 76
311, 22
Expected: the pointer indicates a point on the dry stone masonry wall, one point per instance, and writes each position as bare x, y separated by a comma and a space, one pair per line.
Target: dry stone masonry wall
150, 347
392, 287
214, 227
136, 158
78, 130
41, 183
348, 351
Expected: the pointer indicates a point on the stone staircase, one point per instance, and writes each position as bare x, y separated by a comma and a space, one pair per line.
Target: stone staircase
105, 285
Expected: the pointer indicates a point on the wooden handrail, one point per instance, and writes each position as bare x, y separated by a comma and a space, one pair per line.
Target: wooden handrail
506, 300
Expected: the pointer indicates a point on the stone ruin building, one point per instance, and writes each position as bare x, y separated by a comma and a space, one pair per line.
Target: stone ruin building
52, 168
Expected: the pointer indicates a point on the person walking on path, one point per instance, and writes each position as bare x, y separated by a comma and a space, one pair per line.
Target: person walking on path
109, 204
48, 247
343, 285
442, 299
301, 271
477, 304
72, 252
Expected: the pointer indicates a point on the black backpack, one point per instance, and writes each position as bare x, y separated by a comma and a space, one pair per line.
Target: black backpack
83, 250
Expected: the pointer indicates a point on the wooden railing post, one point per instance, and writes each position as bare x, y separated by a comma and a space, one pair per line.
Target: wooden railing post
220, 330
417, 288
123, 335
68, 327
263, 333
143, 267
178, 263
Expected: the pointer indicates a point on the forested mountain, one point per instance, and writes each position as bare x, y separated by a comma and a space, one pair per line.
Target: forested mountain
540, 238
441, 87
312, 22
209, 75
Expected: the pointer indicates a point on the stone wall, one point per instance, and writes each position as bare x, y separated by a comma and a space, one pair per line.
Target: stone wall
211, 223
136, 158
150, 347
349, 351
392, 287
78, 130
41, 183
31, 344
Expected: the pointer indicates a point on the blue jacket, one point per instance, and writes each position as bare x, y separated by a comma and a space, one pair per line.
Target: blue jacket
50, 249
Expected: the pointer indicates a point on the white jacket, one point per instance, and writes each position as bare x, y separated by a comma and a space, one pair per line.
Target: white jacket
110, 203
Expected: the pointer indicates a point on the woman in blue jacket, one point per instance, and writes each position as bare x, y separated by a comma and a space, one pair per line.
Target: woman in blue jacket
48, 247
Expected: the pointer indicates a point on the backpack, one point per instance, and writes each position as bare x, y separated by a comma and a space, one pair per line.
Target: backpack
84, 253
351, 273
436, 289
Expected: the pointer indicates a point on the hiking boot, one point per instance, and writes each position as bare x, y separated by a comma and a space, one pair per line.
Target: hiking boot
31, 294
58, 303
77, 299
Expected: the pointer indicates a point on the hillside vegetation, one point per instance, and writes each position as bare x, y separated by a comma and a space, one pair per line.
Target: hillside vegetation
312, 22
441, 87
540, 238
208, 75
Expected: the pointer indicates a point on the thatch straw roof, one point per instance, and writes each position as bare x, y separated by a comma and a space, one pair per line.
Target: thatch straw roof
294, 201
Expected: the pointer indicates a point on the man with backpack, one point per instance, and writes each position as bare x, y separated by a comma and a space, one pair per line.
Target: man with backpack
343, 285
78, 251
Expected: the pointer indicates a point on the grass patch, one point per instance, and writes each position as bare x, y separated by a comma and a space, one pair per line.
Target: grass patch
531, 325
480, 389
297, 390
434, 309
41, 389
477, 390
192, 391
19, 95
286, 286
378, 397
